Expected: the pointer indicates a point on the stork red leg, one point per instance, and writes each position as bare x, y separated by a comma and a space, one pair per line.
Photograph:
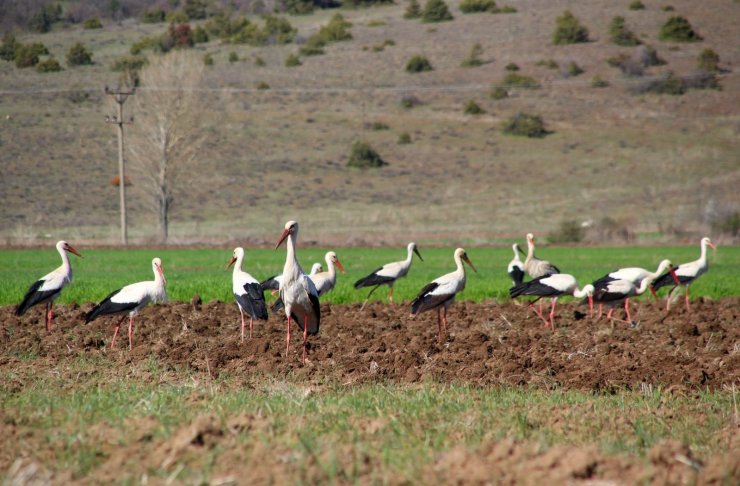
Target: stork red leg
552, 314
444, 319
534, 309
250, 328
439, 324
609, 314
688, 308
390, 294
130, 332
627, 309
287, 341
305, 338
115, 333
242, 314
48, 316
601, 310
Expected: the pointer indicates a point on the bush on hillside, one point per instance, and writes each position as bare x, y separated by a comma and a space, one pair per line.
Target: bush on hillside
79, 56
45, 17
413, 10
474, 6
473, 59
196, 9
569, 231
223, 26
598, 82
200, 35
499, 93
292, 61
525, 125
515, 80
92, 23
233, 57
153, 16
637, 5
473, 108
568, 30
418, 64
436, 11
678, 29
512, 67
574, 69
620, 34
8, 47
404, 138
671, 84
50, 65
708, 61
26, 56
362, 155
336, 30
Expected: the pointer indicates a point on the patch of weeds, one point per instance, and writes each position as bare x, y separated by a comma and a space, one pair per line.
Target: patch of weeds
436, 11
473, 108
499, 93
525, 125
404, 138
292, 61
620, 34
678, 29
473, 59
364, 156
515, 80
418, 64
637, 5
598, 82
568, 30
549, 63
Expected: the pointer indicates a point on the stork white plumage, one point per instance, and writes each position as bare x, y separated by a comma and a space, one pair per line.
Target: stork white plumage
297, 291
634, 275
130, 300
440, 292
553, 286
248, 292
516, 267
49, 287
325, 281
389, 273
273, 283
616, 291
534, 266
687, 273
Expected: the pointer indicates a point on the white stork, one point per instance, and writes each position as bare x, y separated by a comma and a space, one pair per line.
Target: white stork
634, 275
49, 287
613, 292
440, 293
297, 291
131, 299
554, 286
325, 281
273, 283
389, 273
248, 292
687, 273
516, 267
534, 266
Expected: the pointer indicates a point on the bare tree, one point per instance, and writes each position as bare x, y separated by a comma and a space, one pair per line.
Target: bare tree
166, 135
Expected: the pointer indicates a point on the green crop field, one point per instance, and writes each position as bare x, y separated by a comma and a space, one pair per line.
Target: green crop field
202, 271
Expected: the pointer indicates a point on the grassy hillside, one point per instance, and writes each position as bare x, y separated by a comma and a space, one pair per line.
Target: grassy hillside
653, 163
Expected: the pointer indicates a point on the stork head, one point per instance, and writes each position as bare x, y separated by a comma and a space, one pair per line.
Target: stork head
64, 246
316, 268
332, 259
707, 242
291, 228
412, 247
462, 255
530, 239
589, 291
237, 255
157, 267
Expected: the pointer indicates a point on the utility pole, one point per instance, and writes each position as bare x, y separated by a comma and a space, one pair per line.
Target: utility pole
120, 97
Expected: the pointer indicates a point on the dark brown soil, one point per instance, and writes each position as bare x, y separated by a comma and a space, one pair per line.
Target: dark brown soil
487, 344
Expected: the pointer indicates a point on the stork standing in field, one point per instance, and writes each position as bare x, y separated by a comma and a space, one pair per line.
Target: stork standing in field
297, 291
534, 266
687, 273
248, 292
635, 276
49, 287
389, 273
324, 281
516, 267
440, 293
553, 286
615, 291
273, 283
130, 300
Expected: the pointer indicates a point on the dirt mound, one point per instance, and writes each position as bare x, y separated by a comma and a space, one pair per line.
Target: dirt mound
487, 344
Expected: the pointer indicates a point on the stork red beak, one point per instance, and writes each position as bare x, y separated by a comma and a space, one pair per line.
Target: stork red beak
231, 262
339, 265
161, 273
655, 294
72, 250
467, 260
711, 245
285, 234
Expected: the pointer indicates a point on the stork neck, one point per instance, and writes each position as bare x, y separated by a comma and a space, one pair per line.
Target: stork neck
238, 264
703, 256
516, 253
579, 293
530, 249
330, 268
409, 255
459, 263
292, 266
644, 285
65, 258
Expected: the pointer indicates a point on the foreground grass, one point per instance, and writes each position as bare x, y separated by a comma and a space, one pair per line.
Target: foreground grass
399, 429
201, 271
